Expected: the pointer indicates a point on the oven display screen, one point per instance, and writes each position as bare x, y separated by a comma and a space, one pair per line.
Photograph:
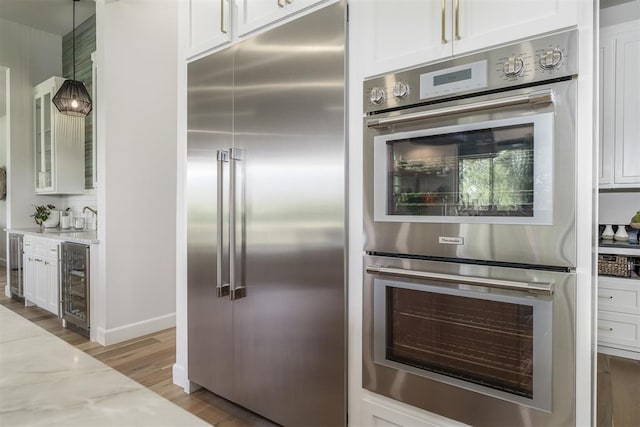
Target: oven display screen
453, 77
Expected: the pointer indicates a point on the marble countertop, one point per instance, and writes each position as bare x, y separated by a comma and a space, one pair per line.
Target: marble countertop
75, 236
47, 382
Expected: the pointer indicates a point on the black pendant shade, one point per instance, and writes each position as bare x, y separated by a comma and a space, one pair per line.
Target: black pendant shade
72, 98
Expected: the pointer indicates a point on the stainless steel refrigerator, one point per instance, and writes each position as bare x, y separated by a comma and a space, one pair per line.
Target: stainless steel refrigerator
267, 221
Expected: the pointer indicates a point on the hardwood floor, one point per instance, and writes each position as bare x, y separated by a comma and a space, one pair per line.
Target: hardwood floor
147, 360
618, 391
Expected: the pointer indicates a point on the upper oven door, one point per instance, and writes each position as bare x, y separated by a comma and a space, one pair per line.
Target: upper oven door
488, 178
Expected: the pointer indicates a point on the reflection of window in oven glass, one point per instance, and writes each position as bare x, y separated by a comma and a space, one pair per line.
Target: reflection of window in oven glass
496, 172
485, 172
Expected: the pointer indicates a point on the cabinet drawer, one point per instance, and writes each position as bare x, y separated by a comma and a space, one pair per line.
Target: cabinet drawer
27, 245
52, 249
619, 295
41, 247
619, 329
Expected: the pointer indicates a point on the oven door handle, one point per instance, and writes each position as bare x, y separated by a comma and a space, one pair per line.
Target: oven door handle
535, 288
532, 98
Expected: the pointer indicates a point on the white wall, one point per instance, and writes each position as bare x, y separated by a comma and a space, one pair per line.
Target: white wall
136, 130
32, 56
618, 207
618, 14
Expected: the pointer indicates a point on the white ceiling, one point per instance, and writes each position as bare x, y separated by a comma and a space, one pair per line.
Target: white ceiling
52, 16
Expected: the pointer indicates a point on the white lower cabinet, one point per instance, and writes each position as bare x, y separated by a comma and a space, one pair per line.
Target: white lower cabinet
41, 280
619, 316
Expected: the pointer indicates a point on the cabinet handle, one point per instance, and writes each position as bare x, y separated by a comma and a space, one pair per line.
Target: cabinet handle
222, 29
602, 328
46, 263
222, 288
605, 296
443, 24
236, 288
457, 16
289, 1
280, 4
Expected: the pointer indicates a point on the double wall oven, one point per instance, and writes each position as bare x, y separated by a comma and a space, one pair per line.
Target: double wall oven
469, 299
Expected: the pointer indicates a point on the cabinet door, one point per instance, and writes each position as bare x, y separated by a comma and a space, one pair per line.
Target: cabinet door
41, 279
482, 23
253, 14
29, 278
627, 109
209, 25
607, 88
404, 33
43, 142
52, 303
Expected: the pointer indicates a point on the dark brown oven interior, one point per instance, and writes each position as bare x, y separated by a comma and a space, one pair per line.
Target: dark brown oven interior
481, 341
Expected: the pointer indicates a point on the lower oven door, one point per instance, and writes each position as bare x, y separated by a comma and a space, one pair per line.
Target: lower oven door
482, 345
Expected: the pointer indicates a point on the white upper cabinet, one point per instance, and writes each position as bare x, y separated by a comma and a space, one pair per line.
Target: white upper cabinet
620, 106
255, 14
208, 23
59, 144
406, 33
402, 33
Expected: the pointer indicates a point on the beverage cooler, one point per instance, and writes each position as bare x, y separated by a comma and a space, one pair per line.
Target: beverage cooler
16, 273
74, 286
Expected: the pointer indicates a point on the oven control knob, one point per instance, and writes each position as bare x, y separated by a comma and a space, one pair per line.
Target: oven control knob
377, 95
513, 67
550, 59
400, 90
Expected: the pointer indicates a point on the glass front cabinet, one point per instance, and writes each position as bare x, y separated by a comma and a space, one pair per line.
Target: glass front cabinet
59, 144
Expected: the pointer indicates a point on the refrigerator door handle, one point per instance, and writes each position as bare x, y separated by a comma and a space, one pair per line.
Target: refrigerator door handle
237, 291
222, 289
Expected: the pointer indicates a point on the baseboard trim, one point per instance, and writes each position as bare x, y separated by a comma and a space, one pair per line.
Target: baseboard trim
181, 380
135, 330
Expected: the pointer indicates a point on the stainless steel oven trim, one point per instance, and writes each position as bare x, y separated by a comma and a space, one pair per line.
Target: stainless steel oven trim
543, 127
540, 288
532, 98
543, 338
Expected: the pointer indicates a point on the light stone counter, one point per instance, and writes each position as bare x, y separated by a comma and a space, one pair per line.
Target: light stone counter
80, 236
46, 382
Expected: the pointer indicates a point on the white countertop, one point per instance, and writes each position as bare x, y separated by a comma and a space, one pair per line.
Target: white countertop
75, 236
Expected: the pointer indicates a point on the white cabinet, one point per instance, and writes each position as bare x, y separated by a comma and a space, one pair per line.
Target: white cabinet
406, 33
620, 106
208, 23
255, 14
619, 316
41, 279
59, 144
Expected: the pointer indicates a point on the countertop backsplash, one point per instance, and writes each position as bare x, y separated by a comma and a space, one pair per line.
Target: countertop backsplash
618, 207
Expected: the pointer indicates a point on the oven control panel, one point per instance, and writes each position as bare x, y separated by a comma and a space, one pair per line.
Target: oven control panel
523, 63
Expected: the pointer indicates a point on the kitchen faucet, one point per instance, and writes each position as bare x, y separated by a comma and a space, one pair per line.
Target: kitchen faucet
95, 212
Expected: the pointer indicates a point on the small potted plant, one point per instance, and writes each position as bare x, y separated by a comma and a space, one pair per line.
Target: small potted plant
46, 216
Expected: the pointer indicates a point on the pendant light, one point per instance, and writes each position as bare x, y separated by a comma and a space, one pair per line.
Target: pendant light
72, 98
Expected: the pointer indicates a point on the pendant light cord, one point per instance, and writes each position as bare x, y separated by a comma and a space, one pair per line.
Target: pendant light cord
74, 39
